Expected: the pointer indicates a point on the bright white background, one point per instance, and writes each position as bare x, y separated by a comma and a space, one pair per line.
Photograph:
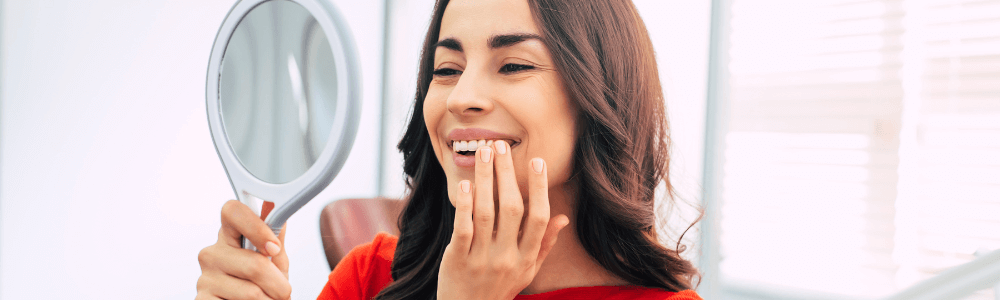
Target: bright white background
109, 183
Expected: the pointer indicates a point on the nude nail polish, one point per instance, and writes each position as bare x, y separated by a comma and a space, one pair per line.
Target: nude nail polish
501, 147
466, 187
272, 248
537, 165
486, 152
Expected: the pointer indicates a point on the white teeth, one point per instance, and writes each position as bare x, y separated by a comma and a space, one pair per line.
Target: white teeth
459, 146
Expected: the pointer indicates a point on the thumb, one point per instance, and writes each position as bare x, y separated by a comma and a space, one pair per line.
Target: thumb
556, 225
281, 260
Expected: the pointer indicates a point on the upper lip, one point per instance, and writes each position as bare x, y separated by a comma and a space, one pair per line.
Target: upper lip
470, 134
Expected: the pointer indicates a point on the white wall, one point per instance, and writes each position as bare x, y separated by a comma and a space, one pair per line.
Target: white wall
679, 31
408, 21
109, 183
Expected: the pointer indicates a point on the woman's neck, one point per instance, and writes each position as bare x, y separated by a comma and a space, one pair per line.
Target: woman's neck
568, 264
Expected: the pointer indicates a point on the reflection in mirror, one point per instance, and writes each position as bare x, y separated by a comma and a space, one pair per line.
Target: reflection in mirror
277, 87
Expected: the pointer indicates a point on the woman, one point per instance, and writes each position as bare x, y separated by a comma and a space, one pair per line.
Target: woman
530, 115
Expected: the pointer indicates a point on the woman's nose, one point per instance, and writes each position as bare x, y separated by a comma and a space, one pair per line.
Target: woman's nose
471, 96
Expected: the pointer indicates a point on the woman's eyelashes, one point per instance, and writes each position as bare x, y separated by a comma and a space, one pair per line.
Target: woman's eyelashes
506, 69
446, 72
514, 68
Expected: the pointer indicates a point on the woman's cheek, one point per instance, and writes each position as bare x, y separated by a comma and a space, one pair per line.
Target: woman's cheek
433, 112
560, 161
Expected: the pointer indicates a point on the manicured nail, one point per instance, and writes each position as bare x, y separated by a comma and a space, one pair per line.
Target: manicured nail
486, 152
272, 248
538, 165
466, 187
501, 147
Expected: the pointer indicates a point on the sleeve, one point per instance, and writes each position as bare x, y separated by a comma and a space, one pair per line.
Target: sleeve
351, 277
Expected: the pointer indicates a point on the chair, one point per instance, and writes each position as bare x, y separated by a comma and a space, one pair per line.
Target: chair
348, 223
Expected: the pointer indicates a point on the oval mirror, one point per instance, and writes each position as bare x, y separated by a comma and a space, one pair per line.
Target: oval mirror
283, 100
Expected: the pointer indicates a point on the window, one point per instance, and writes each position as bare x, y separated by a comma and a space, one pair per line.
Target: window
862, 152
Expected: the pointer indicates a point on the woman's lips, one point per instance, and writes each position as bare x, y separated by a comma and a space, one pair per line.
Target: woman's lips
464, 161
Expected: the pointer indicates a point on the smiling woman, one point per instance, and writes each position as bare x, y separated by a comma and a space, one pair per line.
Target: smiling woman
537, 140
569, 87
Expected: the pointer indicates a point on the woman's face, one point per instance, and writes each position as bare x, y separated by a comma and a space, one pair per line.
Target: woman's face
495, 80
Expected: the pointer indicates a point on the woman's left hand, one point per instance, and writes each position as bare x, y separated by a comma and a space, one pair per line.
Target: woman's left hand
480, 263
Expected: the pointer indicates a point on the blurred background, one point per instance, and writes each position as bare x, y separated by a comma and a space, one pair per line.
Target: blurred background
841, 149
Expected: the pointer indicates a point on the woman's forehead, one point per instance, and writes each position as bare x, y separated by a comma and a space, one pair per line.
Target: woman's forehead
474, 22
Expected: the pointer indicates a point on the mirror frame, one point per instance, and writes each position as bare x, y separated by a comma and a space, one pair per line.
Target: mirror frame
290, 196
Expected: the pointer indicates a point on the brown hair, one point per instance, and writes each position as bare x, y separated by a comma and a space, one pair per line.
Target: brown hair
604, 55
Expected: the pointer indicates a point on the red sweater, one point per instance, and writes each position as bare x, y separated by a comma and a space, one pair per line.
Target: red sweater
366, 270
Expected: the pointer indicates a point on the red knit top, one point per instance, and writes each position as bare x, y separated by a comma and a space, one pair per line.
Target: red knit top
366, 270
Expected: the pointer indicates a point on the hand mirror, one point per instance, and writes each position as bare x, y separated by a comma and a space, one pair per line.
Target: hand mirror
283, 97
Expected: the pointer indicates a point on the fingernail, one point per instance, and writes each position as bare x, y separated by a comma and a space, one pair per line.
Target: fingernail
538, 165
485, 157
466, 187
272, 248
501, 147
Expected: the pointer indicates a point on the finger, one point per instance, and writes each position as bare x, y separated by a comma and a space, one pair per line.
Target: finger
537, 219
232, 288
253, 267
511, 204
281, 260
483, 203
239, 221
551, 235
461, 238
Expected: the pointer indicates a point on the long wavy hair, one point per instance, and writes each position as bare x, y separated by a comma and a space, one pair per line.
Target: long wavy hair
605, 57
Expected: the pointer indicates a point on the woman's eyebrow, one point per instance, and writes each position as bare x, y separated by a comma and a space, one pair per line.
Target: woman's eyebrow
495, 41
449, 43
507, 40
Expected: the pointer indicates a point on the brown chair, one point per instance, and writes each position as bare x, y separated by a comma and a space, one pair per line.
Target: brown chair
348, 223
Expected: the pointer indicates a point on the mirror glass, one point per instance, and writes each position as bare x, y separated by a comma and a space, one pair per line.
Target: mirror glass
277, 90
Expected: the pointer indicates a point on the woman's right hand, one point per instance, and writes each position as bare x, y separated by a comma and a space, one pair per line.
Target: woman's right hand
497, 260
230, 272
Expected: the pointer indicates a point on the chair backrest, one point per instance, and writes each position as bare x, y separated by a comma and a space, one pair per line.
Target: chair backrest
348, 223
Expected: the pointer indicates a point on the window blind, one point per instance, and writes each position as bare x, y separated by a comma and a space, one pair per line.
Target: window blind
810, 161
863, 148
952, 188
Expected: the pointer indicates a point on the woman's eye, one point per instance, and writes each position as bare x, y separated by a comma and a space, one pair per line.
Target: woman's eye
445, 72
514, 68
